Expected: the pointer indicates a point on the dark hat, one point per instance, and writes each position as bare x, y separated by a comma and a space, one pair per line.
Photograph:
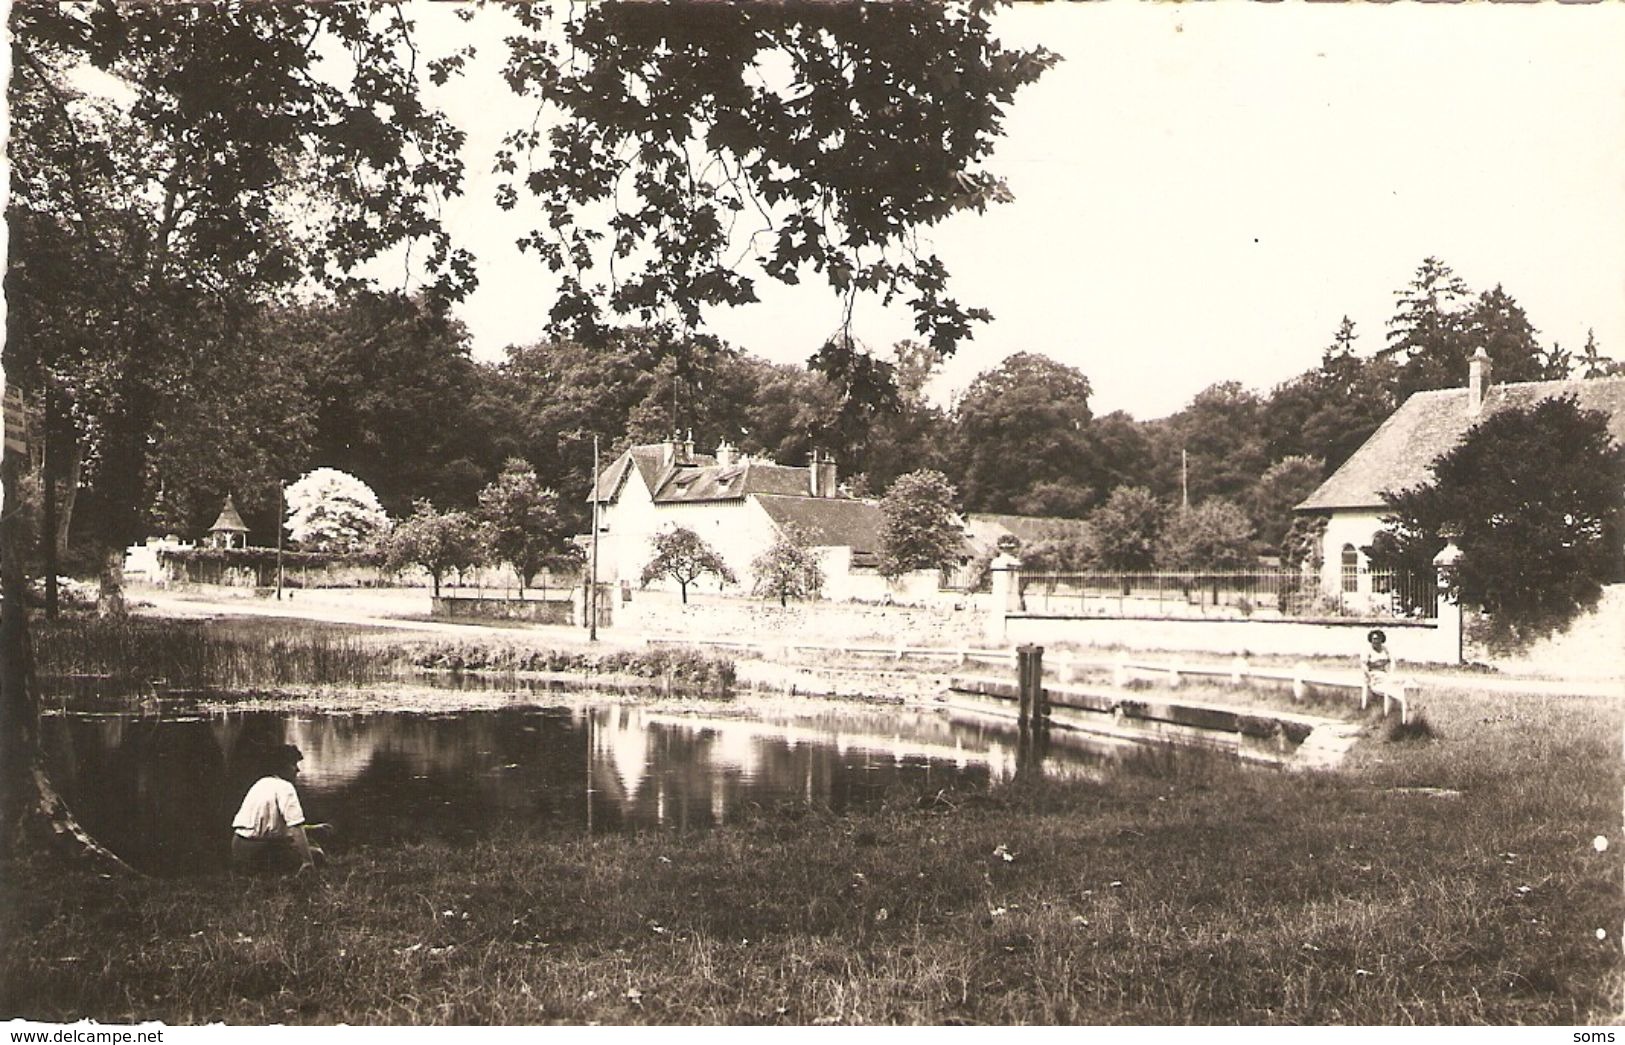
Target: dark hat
1375, 635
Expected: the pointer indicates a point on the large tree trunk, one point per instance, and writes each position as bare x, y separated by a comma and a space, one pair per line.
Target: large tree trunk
30, 808
67, 474
110, 598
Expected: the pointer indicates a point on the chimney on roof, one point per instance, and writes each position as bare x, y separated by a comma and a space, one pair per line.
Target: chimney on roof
688, 447
1478, 379
725, 454
821, 476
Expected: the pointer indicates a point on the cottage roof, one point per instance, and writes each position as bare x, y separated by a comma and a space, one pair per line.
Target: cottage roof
1428, 424
983, 529
229, 521
830, 522
699, 477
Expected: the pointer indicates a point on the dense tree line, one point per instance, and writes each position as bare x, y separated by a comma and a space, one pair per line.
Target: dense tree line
384, 386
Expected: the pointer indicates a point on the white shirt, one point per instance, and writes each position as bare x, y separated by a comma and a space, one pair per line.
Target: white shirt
269, 809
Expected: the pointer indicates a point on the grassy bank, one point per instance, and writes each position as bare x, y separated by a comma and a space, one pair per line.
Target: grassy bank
1447, 881
133, 656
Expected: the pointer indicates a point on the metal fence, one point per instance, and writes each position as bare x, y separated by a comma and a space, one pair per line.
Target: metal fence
1226, 594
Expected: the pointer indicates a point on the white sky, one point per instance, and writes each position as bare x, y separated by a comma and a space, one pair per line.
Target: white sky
1202, 192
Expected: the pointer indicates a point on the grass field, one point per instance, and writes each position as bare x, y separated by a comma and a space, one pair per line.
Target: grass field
1451, 880
135, 656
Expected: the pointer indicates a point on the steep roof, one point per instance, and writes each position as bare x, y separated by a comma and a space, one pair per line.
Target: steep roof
830, 522
1428, 424
229, 520
698, 477
714, 482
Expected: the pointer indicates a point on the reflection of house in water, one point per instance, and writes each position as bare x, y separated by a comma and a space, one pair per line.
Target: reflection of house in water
162, 791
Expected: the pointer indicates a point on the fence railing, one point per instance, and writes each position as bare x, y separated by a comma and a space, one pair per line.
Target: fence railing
1226, 594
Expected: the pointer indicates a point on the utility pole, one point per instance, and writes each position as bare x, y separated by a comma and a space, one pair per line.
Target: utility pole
592, 572
281, 511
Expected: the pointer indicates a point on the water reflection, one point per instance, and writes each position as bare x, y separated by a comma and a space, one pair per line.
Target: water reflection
160, 790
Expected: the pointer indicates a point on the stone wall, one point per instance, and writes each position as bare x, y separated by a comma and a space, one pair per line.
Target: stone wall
535, 611
720, 618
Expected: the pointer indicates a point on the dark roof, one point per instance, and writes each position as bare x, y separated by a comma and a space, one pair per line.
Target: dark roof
699, 477
229, 519
1428, 424
984, 529
830, 521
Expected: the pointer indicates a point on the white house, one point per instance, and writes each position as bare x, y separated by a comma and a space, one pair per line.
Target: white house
738, 505
1399, 453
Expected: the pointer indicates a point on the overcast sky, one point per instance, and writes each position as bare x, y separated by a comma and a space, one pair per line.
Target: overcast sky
1201, 193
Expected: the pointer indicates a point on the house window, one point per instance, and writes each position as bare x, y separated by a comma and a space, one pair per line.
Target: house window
1351, 568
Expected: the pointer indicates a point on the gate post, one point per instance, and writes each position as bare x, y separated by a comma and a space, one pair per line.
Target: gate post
1005, 575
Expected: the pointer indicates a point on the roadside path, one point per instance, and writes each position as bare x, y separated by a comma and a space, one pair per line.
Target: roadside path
184, 604
181, 604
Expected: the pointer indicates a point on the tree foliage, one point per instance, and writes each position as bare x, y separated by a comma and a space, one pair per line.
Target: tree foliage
803, 136
684, 556
1326, 413
1062, 548
1594, 364
1214, 535
1439, 324
918, 529
521, 521
388, 386
439, 542
333, 511
1282, 487
787, 569
1126, 529
174, 167
1534, 497
1225, 449
1020, 424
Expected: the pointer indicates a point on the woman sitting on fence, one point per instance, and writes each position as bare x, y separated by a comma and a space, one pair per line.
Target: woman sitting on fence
1378, 664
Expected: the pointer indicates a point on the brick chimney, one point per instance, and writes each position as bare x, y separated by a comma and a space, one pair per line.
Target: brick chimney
1478, 380
725, 454
688, 446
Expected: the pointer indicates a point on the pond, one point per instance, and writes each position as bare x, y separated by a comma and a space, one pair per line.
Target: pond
160, 790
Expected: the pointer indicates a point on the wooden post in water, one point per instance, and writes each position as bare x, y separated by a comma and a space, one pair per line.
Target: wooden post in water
1030, 686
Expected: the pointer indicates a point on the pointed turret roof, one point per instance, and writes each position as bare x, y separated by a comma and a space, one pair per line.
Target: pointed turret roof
229, 521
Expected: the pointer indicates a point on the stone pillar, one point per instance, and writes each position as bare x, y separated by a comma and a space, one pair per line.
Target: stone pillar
1006, 574
1449, 647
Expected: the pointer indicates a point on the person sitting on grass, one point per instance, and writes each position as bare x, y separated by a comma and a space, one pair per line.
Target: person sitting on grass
1378, 664
268, 832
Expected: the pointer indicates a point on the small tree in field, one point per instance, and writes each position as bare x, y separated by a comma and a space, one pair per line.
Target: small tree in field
788, 569
1534, 499
521, 520
918, 529
1126, 528
683, 555
1215, 535
333, 511
437, 541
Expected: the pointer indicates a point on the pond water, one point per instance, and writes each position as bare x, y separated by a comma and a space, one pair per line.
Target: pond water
160, 790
